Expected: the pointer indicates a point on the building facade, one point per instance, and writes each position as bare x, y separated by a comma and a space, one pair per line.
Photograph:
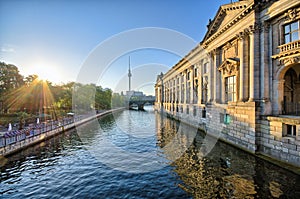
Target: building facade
242, 81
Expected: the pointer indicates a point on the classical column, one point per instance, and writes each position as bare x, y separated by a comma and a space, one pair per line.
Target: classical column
157, 94
266, 54
175, 88
192, 85
251, 63
200, 82
223, 91
184, 87
278, 94
241, 38
171, 90
217, 78
179, 84
165, 93
162, 97
210, 89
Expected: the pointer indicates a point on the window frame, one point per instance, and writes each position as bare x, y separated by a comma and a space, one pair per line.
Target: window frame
290, 32
231, 92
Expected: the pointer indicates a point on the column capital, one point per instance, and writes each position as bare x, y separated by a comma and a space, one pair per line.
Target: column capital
214, 52
256, 27
192, 67
241, 35
266, 27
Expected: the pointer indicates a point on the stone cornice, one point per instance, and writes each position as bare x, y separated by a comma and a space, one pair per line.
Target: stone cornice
186, 60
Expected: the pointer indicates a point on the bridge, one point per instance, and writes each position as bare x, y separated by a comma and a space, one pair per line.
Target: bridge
140, 101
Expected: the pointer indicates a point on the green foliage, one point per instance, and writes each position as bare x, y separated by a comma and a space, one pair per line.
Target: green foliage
10, 78
117, 100
34, 96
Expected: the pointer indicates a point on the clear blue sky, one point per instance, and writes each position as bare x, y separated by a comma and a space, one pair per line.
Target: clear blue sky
52, 38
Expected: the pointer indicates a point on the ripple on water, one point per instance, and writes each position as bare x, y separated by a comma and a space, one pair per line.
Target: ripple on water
64, 167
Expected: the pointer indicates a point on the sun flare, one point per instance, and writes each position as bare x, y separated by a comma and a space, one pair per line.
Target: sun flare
47, 72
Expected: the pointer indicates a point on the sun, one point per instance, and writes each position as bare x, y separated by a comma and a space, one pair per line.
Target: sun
47, 72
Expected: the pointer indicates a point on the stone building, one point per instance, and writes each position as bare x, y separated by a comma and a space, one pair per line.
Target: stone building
242, 81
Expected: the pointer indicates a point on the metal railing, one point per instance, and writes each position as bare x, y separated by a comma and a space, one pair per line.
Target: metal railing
13, 136
291, 108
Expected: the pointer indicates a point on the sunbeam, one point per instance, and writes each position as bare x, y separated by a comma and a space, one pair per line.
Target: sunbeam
34, 98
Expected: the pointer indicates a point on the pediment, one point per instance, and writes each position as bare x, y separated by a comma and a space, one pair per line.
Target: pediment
229, 66
225, 14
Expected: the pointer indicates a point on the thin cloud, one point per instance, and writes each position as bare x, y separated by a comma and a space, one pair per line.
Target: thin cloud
7, 49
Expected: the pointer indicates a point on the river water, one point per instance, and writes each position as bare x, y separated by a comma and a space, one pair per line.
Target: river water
136, 154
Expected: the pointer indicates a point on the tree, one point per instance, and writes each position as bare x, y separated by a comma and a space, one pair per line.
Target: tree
29, 79
10, 78
63, 96
103, 98
117, 100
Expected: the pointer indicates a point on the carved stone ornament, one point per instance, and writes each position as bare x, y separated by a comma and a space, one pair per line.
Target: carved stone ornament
229, 67
240, 35
228, 45
253, 28
291, 60
291, 14
230, 50
257, 26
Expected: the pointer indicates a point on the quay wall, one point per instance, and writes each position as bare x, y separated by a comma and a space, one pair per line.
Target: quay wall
274, 142
239, 124
233, 124
29, 141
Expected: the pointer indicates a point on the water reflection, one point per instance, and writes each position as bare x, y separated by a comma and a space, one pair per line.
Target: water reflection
226, 172
63, 167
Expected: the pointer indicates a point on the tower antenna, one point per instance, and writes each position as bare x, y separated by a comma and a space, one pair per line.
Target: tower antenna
129, 75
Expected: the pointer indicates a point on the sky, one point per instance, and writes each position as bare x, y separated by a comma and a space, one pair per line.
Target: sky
55, 38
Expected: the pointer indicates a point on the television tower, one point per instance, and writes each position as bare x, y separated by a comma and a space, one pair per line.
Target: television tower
129, 75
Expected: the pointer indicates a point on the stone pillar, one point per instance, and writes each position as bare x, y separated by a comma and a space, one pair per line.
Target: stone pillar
241, 37
165, 93
175, 88
210, 89
223, 91
200, 83
179, 82
217, 77
171, 90
278, 94
266, 55
192, 85
157, 90
251, 64
184, 87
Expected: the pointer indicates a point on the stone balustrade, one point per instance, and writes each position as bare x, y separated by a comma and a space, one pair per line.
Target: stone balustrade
289, 46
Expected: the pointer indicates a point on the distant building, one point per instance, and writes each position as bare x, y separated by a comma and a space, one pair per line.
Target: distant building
243, 79
134, 93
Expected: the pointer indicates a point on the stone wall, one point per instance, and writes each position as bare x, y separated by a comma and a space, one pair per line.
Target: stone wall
244, 129
236, 123
274, 142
